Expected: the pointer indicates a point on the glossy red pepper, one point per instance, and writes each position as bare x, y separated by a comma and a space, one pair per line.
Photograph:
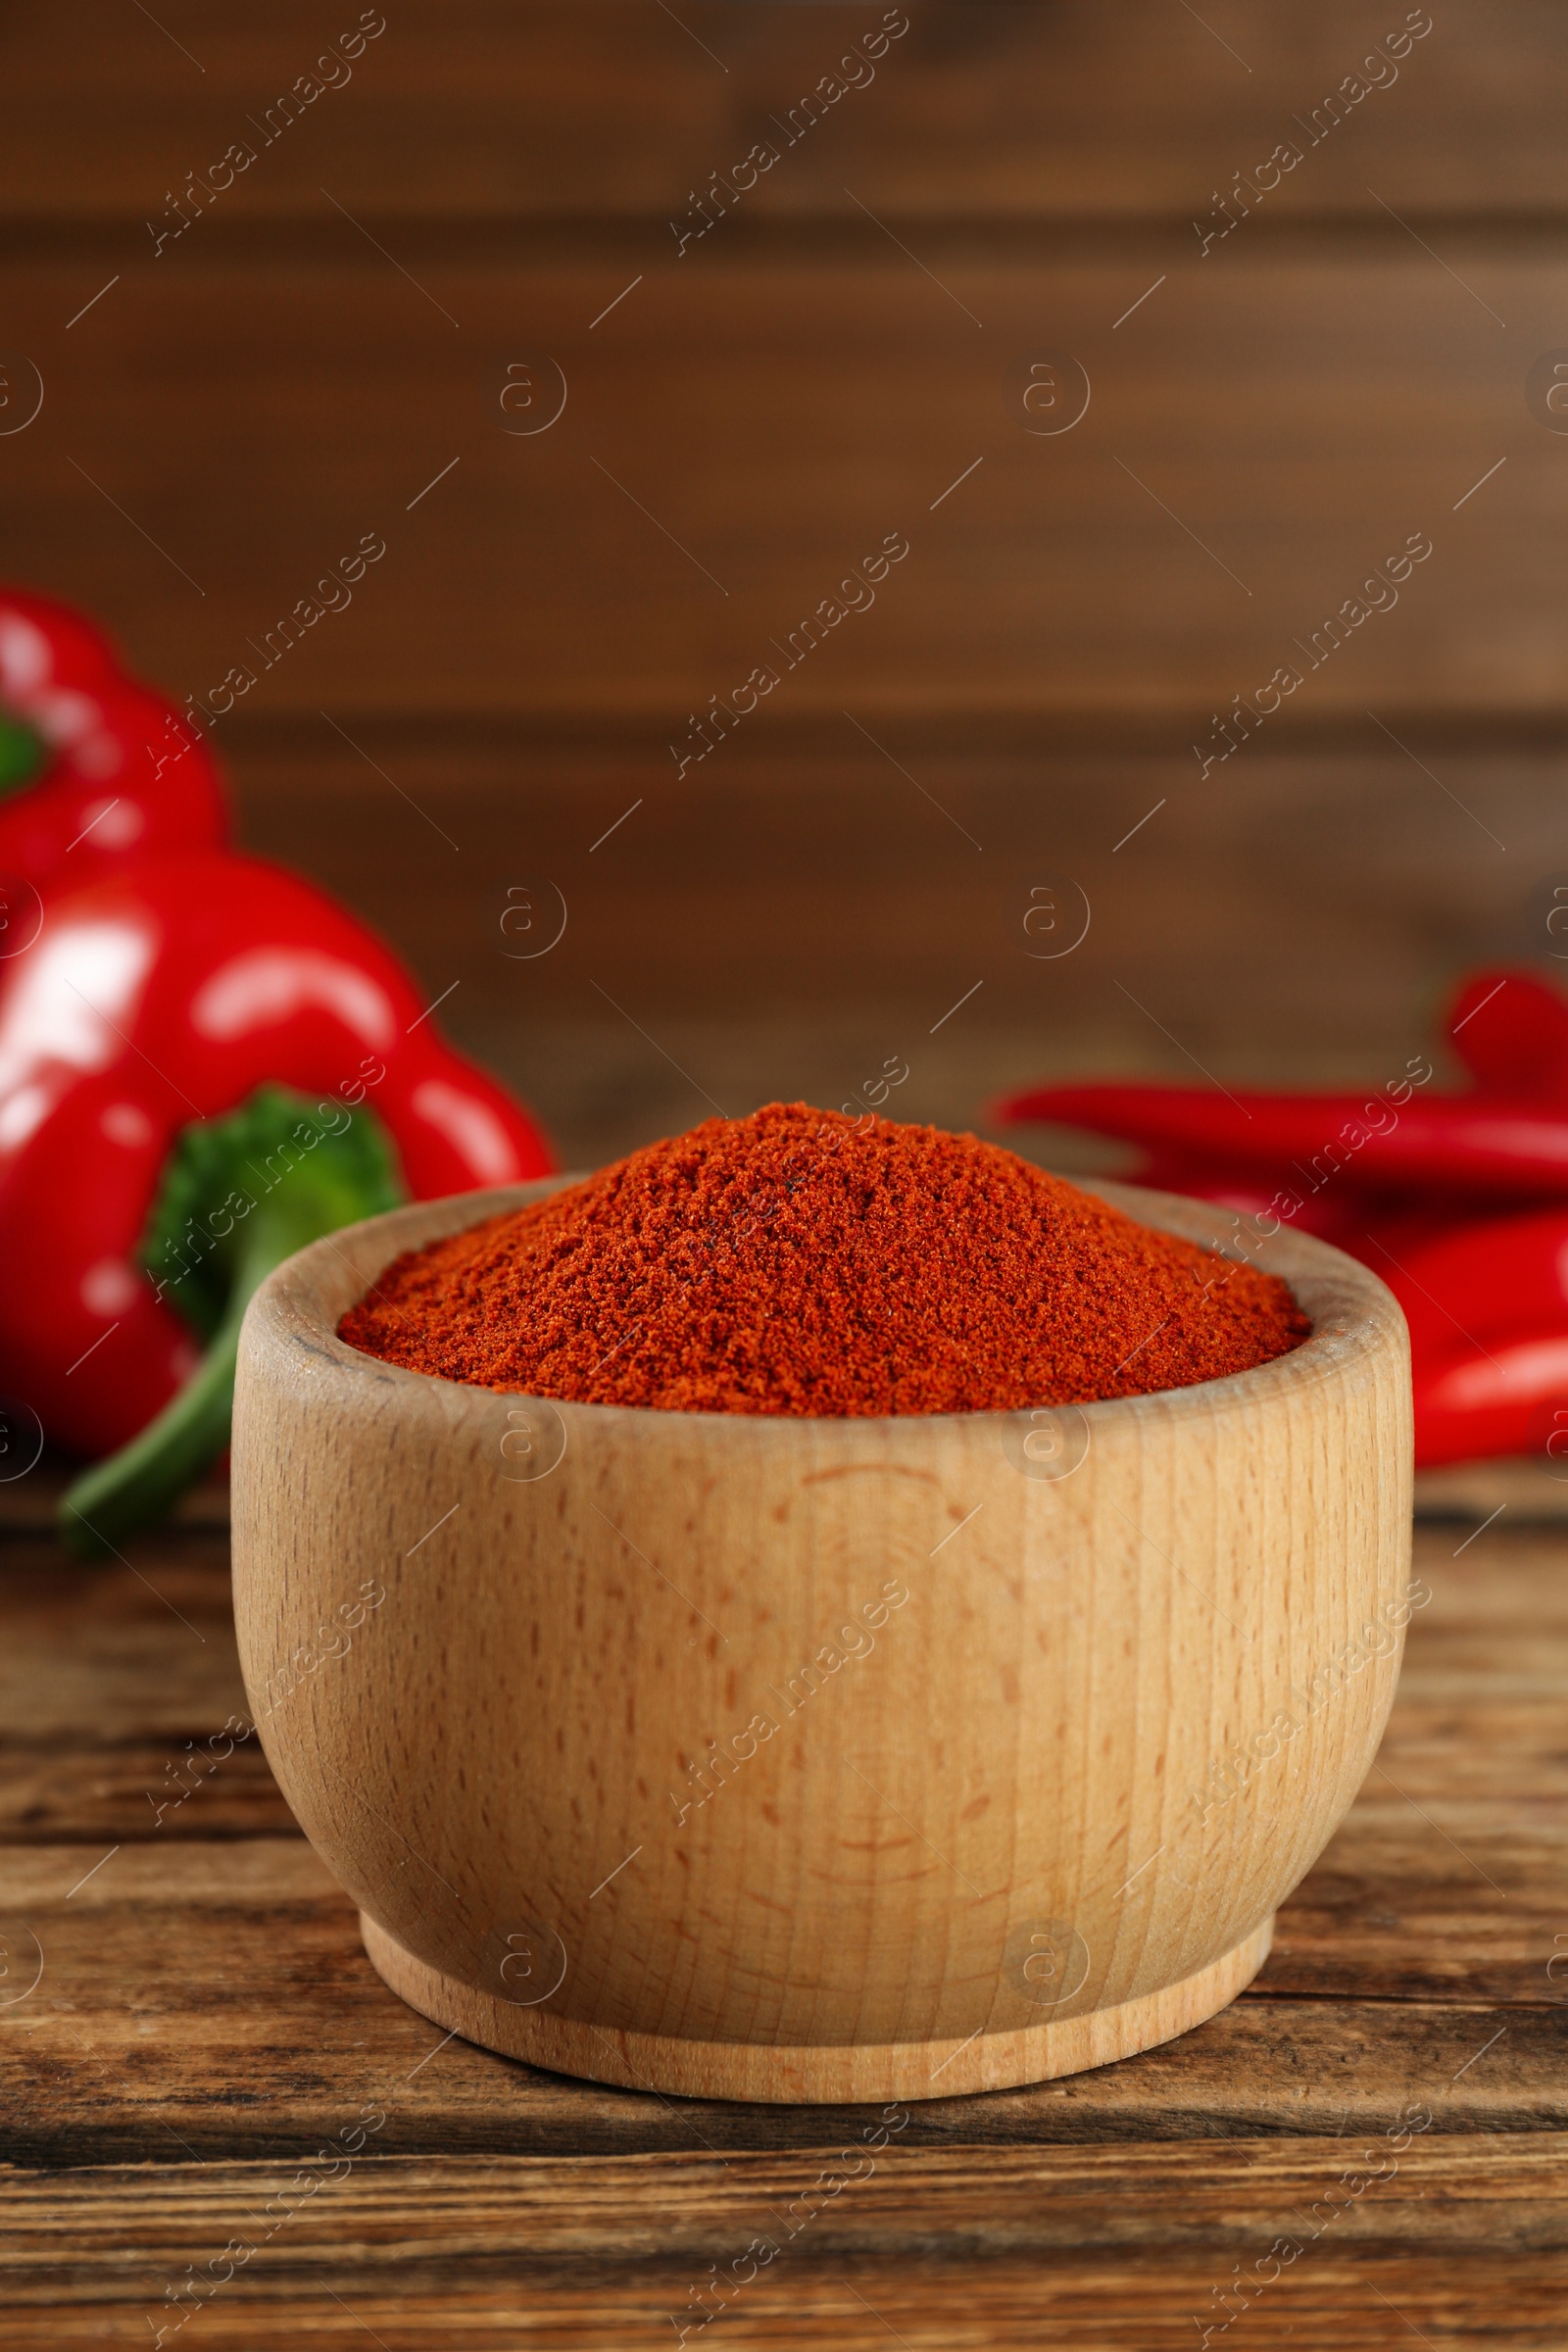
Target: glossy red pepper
1502, 1148
135, 1216
94, 768
1510, 1030
1368, 1224
1488, 1310
1504, 1141
1412, 1184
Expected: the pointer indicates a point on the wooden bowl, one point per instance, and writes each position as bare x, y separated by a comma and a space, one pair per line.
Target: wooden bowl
767, 1758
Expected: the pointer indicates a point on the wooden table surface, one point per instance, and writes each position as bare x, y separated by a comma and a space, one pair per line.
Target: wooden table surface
205, 2023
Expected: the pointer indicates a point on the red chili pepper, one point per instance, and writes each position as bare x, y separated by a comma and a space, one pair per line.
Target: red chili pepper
1507, 1138
1488, 1310
1495, 1276
1510, 1398
1510, 1030
1490, 1146
1412, 1184
1366, 1224
204, 1064
94, 768
1335, 1213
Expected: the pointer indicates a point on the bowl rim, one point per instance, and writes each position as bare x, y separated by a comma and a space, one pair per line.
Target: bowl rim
1355, 1315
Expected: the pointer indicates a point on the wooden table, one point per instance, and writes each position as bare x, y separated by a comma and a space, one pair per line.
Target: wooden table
205, 2023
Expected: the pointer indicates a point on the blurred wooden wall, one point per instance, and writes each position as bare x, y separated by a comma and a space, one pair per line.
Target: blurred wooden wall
323, 353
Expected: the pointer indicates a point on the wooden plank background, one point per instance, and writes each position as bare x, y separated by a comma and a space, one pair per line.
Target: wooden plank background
321, 355
1269, 419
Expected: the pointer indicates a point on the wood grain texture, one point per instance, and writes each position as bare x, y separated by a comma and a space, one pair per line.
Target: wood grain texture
242, 2018
810, 1934
427, 2224
646, 551
850, 895
208, 2020
905, 2203
811, 2074
270, 386
1368, 2300
1060, 113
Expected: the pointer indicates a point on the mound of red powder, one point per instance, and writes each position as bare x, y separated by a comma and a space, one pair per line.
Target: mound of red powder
797, 1261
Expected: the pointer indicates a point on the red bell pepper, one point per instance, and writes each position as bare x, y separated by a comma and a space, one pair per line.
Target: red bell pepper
94, 768
204, 1064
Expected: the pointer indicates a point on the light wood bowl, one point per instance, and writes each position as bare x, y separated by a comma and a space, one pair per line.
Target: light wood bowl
1035, 1815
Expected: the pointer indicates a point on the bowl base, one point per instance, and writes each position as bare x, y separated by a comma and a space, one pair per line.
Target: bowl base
828, 2074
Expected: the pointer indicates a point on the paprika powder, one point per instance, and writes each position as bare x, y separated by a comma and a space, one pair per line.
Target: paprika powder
801, 1263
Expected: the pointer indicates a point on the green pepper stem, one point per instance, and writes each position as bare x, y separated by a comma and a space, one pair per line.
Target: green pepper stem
23, 754
215, 1239
137, 1486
